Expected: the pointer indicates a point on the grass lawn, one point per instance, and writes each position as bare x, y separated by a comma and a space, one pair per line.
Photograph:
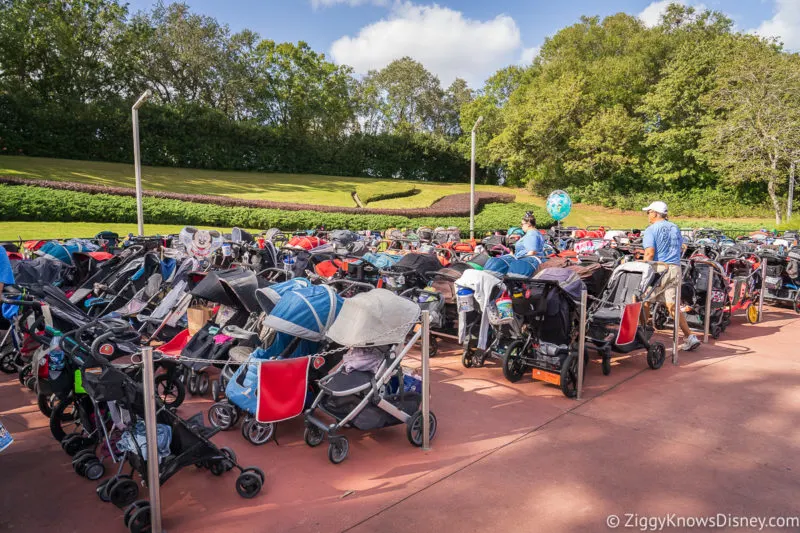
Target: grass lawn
11, 231
299, 188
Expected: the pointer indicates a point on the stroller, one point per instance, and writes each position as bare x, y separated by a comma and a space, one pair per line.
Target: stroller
410, 271
548, 304
359, 394
694, 295
630, 282
782, 281
299, 320
232, 325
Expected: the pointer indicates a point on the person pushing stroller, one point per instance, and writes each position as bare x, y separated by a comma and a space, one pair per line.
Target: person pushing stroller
662, 242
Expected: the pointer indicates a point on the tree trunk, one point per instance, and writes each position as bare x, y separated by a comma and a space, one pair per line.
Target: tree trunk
776, 205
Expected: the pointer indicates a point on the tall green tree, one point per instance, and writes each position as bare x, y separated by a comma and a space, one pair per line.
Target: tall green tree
752, 132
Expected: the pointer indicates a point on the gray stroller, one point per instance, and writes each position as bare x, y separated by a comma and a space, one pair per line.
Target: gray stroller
369, 391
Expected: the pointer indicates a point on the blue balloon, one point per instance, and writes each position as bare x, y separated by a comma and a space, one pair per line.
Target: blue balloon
559, 204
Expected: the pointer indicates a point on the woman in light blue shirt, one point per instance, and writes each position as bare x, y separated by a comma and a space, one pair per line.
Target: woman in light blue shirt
532, 243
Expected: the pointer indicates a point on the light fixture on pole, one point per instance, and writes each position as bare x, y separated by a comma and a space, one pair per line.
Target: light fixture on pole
137, 160
472, 182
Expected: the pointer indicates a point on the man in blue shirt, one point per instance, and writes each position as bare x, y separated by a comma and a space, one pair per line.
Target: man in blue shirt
663, 243
532, 243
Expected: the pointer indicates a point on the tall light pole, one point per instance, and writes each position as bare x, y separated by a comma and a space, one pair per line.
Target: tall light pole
472, 182
137, 160
791, 192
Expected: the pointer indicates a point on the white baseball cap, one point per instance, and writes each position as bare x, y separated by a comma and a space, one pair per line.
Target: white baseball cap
658, 207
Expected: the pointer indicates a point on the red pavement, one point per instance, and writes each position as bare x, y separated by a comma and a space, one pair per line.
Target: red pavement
720, 433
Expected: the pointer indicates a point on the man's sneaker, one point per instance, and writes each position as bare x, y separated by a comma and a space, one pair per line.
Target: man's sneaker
691, 343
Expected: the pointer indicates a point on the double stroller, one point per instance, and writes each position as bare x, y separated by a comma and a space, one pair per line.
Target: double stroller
630, 283
362, 393
782, 279
281, 375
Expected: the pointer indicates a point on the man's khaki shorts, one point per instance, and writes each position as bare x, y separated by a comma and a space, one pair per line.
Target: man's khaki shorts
667, 285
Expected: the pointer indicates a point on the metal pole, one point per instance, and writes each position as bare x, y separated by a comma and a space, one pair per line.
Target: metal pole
153, 485
709, 293
581, 343
790, 203
472, 182
426, 387
763, 288
137, 161
677, 318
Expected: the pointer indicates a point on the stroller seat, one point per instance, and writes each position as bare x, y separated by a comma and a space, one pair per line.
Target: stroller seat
240, 354
349, 383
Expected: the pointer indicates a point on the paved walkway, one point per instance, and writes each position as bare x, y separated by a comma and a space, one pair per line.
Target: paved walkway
720, 433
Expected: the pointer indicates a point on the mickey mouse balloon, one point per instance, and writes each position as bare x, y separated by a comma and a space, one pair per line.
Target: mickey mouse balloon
559, 205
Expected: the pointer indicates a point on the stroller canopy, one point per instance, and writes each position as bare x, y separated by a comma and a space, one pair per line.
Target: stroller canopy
306, 313
61, 252
268, 297
522, 269
568, 279
499, 265
422, 263
235, 287
381, 261
375, 318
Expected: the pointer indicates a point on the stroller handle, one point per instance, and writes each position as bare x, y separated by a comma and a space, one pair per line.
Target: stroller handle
21, 303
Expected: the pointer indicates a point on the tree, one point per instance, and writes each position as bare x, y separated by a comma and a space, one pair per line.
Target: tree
753, 129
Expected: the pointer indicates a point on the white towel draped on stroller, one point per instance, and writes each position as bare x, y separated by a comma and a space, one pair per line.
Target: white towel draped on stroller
484, 285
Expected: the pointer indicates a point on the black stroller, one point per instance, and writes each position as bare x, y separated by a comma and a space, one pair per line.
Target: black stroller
181, 443
548, 305
631, 282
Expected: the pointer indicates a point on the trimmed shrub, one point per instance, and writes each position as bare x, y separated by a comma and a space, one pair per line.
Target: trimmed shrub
375, 192
22, 202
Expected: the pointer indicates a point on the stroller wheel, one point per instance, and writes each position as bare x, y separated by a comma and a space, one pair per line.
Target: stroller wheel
222, 415
716, 331
796, 303
46, 403
216, 389
203, 383
752, 314
192, 384
140, 520
102, 489
433, 346
313, 436
257, 433
94, 469
170, 390
64, 417
414, 428
513, 366
130, 511
72, 444
466, 357
337, 450
31, 382
123, 492
257, 471
656, 355
231, 455
606, 365
7, 364
248, 484
24, 373
569, 375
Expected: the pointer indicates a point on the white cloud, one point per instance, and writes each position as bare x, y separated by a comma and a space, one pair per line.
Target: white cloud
443, 40
785, 24
317, 4
528, 55
651, 15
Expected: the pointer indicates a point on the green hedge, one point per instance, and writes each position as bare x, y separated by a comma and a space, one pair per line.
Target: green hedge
716, 203
192, 136
48, 205
374, 192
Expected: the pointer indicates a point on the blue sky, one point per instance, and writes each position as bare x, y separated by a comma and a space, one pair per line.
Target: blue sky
464, 38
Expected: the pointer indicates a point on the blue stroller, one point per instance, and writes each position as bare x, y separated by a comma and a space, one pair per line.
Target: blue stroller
298, 322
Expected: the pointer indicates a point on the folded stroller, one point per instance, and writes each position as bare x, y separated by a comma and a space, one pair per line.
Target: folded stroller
630, 283
299, 320
373, 324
